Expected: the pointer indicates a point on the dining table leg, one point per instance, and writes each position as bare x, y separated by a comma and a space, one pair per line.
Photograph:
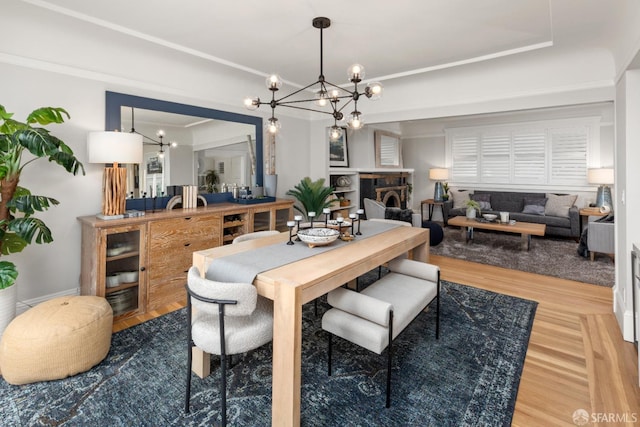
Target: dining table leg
287, 353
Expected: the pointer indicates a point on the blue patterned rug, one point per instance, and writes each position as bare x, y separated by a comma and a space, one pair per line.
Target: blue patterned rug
469, 377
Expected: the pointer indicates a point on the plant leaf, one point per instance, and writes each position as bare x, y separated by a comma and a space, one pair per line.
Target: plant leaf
11, 243
47, 115
30, 228
8, 274
28, 204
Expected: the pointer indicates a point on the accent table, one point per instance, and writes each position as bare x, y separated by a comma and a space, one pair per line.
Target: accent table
587, 212
432, 204
292, 285
526, 229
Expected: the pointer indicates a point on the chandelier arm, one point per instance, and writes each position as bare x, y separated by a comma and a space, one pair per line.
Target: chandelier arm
307, 109
345, 104
350, 92
297, 91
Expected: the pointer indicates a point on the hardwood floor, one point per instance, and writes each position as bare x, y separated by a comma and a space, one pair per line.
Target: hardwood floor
576, 358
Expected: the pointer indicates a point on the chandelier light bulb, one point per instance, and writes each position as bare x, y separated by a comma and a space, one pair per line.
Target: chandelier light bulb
321, 98
356, 73
251, 102
274, 82
161, 154
160, 133
334, 94
335, 132
272, 125
173, 144
373, 91
355, 121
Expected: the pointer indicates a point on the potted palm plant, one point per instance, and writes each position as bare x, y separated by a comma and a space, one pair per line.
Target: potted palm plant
18, 227
312, 196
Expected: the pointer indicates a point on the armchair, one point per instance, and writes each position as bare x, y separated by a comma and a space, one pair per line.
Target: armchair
374, 209
230, 318
601, 238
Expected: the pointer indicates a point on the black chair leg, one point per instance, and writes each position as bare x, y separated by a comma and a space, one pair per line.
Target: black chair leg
187, 398
379, 272
223, 387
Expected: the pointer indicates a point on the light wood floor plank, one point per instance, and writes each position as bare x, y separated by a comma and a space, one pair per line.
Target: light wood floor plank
576, 357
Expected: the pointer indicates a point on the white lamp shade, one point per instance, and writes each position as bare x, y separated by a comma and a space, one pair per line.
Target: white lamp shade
600, 176
438, 174
112, 147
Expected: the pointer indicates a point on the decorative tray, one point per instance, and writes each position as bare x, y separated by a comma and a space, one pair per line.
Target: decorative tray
265, 199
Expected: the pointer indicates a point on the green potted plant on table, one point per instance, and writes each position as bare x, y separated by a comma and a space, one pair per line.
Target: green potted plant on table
212, 179
472, 207
312, 196
18, 226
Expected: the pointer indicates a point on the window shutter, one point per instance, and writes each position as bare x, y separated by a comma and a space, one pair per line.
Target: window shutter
496, 158
569, 155
464, 152
529, 148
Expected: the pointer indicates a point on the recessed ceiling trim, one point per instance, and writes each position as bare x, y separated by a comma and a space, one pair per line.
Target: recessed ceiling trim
466, 61
142, 36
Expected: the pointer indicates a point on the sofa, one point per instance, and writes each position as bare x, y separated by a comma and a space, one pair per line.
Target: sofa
557, 211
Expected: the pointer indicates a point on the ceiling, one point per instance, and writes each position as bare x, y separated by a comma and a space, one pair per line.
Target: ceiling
391, 40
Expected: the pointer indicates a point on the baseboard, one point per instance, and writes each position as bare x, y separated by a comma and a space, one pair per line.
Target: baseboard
22, 306
624, 316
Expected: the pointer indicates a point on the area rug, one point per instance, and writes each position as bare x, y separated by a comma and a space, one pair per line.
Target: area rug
551, 256
469, 377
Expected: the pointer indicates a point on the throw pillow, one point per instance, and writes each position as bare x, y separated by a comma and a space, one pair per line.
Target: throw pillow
459, 198
484, 200
398, 214
558, 205
534, 206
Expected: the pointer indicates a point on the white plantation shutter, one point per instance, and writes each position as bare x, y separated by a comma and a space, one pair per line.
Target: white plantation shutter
495, 160
529, 152
554, 153
465, 158
569, 155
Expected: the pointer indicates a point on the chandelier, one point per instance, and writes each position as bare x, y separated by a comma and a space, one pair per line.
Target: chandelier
159, 134
329, 98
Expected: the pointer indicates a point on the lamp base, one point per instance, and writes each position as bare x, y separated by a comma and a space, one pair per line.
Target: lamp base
114, 191
603, 197
438, 192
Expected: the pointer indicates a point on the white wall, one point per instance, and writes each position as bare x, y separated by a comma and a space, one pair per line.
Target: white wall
627, 194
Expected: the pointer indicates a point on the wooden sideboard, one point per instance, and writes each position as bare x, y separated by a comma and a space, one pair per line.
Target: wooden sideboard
140, 264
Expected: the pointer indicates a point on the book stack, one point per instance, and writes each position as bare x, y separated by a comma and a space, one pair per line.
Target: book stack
189, 196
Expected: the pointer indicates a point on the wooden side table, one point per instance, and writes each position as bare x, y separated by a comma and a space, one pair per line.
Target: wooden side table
432, 204
587, 212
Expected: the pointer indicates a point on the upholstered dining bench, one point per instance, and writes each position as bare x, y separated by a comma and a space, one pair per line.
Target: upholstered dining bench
374, 317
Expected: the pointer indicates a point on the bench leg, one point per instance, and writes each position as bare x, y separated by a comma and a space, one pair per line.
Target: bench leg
389, 354
329, 353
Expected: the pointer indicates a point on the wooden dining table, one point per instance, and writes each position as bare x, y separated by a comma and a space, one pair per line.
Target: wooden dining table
294, 284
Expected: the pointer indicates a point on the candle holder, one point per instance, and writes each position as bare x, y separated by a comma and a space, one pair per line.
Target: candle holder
352, 217
359, 212
311, 215
340, 220
297, 219
290, 224
327, 214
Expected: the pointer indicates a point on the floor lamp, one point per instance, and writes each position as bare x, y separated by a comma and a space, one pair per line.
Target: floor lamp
603, 177
438, 175
114, 148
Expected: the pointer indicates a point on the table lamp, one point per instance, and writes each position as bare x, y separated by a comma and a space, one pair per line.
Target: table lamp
603, 177
438, 175
114, 148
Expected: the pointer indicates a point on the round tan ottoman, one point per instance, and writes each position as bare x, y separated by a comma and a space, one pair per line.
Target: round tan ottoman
56, 339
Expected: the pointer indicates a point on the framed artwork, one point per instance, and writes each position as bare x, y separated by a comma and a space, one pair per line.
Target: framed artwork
154, 165
338, 151
388, 149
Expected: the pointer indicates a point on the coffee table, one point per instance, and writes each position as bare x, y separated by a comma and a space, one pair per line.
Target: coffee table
525, 229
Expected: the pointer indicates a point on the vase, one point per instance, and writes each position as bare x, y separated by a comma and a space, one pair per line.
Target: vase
8, 297
270, 185
471, 213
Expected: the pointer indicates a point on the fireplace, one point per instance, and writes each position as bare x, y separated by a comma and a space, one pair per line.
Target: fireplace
390, 188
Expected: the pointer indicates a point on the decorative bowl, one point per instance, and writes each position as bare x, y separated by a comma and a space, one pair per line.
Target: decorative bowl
490, 217
318, 236
128, 276
332, 223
